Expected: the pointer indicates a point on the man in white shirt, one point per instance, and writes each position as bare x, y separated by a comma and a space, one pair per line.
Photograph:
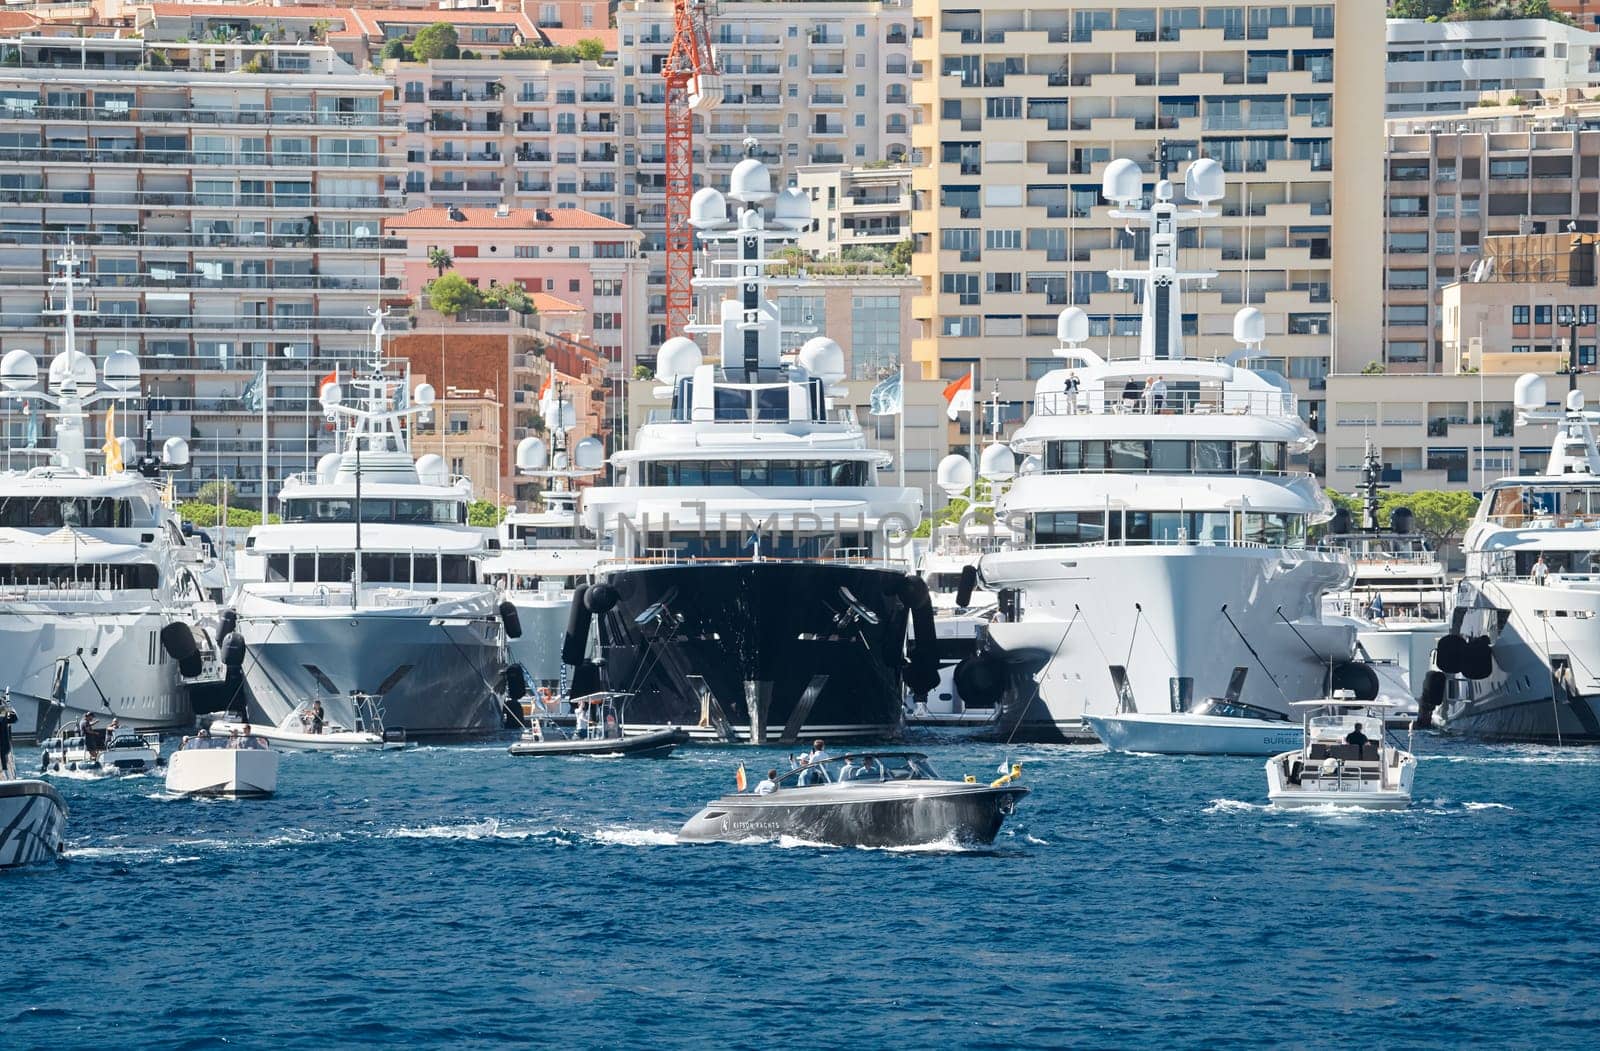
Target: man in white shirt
817, 754
769, 785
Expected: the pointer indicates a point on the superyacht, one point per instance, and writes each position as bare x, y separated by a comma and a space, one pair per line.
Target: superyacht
755, 588
370, 584
1523, 653
93, 567
1163, 556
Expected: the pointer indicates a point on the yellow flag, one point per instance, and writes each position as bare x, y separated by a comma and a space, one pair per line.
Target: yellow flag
112, 448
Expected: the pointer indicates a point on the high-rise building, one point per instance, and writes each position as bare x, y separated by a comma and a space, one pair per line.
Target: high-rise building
1445, 67
1022, 107
229, 225
855, 206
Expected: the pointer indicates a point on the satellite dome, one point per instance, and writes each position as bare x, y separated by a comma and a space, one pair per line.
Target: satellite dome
793, 210
589, 454
121, 371
425, 394
76, 364
751, 182
955, 473
1574, 401
532, 455
1072, 326
328, 468
707, 208
19, 370
823, 359
997, 462
1249, 327
332, 394
1530, 392
1123, 181
175, 452
432, 470
1204, 181
677, 358
559, 414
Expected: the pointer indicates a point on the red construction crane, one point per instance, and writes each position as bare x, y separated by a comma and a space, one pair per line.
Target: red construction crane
693, 85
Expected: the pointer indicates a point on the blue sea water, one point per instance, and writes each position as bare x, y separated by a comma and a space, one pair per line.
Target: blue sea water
459, 897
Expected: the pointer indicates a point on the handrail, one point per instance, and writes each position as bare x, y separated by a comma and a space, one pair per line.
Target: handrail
1222, 402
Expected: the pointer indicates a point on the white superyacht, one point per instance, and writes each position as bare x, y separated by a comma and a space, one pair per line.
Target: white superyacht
369, 586
93, 566
1164, 551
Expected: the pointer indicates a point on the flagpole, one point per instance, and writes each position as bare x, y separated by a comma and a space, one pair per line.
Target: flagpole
972, 426
264, 485
900, 429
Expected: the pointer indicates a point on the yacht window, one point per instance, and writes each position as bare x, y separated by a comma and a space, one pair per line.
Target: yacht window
692, 472
1166, 526
1069, 527
1213, 456
683, 400
53, 512
1272, 456
334, 568
305, 568
386, 569
1209, 526
458, 569
99, 576
1247, 456
850, 472
1128, 454
758, 473
1094, 456
753, 472
425, 569
772, 403
732, 403
1136, 526
277, 568
1169, 456
722, 472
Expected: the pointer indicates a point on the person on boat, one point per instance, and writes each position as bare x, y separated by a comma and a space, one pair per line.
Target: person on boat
8, 766
768, 785
1540, 572
580, 710
817, 753
869, 770
317, 716
1357, 739
1378, 611
1158, 394
89, 732
1070, 392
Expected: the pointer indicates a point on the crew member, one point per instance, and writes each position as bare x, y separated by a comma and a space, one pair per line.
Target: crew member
1357, 738
316, 716
8, 766
1540, 572
768, 785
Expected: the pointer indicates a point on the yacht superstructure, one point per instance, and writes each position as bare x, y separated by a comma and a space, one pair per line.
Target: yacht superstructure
754, 590
370, 584
93, 566
1524, 643
1163, 529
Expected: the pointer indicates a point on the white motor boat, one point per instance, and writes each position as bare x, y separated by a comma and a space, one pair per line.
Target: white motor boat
119, 751
32, 815
1215, 726
298, 731
1341, 763
239, 765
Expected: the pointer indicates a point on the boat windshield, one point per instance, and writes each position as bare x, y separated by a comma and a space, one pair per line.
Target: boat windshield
199, 743
1221, 706
860, 768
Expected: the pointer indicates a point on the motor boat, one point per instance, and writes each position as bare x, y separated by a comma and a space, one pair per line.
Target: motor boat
1328, 769
1215, 726
600, 732
1521, 659
33, 818
298, 733
239, 765
878, 799
94, 565
755, 587
1162, 519
107, 751
370, 584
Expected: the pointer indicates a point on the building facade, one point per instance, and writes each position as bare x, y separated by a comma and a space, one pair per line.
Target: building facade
1447, 67
855, 207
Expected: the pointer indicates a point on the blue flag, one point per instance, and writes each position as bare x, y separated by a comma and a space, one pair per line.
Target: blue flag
33, 425
887, 398
255, 393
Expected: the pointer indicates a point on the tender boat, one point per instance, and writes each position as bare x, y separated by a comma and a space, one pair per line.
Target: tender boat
239, 765
296, 733
1328, 769
1215, 726
32, 815
878, 799
602, 733
104, 751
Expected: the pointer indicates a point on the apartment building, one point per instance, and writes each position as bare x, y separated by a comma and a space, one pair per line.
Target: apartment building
1447, 67
1456, 181
812, 82
855, 206
227, 201
530, 133
1022, 109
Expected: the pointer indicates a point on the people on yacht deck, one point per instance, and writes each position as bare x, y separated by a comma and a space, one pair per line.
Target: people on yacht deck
1070, 392
317, 716
1158, 394
1358, 739
1540, 572
1377, 611
8, 766
768, 785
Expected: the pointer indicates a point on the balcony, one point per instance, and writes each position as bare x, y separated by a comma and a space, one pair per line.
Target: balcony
137, 157
527, 155
204, 322
452, 157
106, 114
826, 98
827, 69
153, 199
465, 186
533, 187
607, 95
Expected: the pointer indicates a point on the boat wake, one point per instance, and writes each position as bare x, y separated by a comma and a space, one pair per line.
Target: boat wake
618, 835
1234, 806
488, 828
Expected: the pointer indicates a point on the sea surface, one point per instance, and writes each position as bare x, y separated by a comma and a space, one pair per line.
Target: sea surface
459, 897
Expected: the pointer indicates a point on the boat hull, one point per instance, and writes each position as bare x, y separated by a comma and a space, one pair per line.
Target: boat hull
1177, 734
757, 633
657, 744
538, 649
434, 673
33, 820
235, 772
883, 816
296, 741
1390, 792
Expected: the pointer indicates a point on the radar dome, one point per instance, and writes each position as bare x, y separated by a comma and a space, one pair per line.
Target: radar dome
589, 454
432, 470
751, 182
1204, 181
1249, 326
332, 394
425, 394
1574, 401
1072, 326
19, 370
532, 455
328, 468
74, 364
955, 473
677, 358
707, 208
130, 451
1031, 464
559, 415
175, 452
822, 358
997, 462
793, 210
1529, 392
1123, 181
121, 371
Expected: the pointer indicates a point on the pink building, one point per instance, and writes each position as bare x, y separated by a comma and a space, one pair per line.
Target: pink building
569, 254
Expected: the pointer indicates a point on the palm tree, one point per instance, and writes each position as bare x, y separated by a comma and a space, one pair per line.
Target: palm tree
440, 260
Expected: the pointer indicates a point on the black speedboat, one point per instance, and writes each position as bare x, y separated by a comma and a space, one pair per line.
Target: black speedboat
601, 733
880, 799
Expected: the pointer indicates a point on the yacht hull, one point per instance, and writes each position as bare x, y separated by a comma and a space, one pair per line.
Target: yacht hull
434, 672
757, 633
32, 821
116, 668
538, 650
1176, 617
1177, 734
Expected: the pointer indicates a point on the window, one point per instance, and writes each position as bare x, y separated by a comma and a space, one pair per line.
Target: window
1003, 240
1520, 314
874, 335
1004, 107
963, 285
1544, 314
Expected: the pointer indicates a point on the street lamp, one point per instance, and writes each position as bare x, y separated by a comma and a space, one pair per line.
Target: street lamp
1573, 316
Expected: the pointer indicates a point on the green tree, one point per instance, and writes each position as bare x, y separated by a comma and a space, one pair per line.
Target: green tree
436, 41
900, 256
440, 260
590, 49
1440, 515
484, 513
216, 492
397, 49
451, 294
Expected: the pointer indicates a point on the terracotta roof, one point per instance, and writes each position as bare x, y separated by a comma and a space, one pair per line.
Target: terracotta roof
17, 20
488, 219
545, 303
567, 37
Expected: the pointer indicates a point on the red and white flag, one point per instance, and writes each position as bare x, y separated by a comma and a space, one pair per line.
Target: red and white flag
958, 397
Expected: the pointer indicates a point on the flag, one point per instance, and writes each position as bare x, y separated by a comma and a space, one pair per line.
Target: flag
332, 377
544, 394
958, 396
112, 448
888, 397
255, 392
33, 424
739, 779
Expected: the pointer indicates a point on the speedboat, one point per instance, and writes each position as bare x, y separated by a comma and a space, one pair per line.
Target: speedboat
297, 732
599, 732
879, 799
119, 751
1331, 769
238, 765
1215, 726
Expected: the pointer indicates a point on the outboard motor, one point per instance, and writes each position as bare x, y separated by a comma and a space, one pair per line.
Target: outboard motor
1432, 698
233, 650
227, 622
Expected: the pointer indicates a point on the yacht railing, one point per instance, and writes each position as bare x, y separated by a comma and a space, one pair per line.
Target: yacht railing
667, 557
84, 593
380, 596
1546, 521
1318, 550
842, 416
1137, 402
